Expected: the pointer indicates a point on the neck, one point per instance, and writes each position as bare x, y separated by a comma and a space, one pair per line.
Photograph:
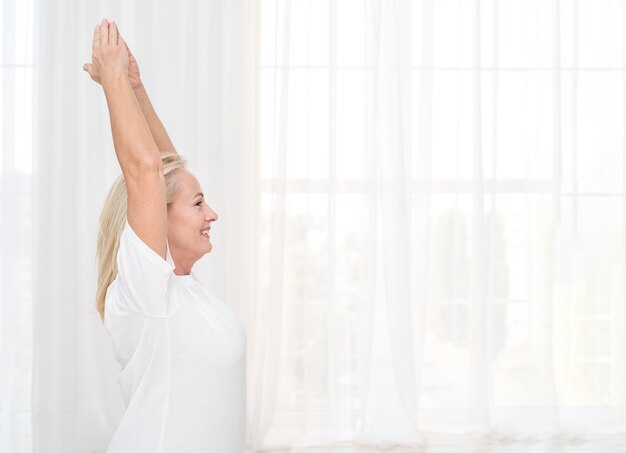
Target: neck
182, 264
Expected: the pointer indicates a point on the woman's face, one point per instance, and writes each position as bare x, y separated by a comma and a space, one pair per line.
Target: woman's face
188, 221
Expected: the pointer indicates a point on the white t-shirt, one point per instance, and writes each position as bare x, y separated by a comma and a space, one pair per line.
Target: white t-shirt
183, 358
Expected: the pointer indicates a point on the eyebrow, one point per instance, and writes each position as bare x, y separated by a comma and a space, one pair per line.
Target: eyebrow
199, 193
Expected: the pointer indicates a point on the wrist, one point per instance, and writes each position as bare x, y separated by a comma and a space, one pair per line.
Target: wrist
114, 82
113, 86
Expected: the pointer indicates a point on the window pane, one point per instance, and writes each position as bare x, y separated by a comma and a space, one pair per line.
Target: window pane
524, 122
525, 33
24, 31
446, 365
453, 38
450, 247
350, 129
600, 22
452, 125
23, 119
306, 311
351, 36
598, 135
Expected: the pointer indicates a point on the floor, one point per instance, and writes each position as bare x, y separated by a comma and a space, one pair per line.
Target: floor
615, 448
617, 444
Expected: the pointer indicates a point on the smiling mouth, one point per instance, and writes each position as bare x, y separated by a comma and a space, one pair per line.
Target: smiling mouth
205, 233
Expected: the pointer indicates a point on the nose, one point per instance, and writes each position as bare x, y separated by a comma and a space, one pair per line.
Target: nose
211, 214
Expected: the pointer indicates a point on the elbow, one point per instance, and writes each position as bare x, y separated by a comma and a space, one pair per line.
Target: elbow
146, 165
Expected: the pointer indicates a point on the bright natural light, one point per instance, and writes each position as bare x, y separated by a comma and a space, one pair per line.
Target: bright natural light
421, 204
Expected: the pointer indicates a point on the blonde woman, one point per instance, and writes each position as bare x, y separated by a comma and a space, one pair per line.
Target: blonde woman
181, 350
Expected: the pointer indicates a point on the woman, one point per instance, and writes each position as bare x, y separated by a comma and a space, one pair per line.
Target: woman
182, 351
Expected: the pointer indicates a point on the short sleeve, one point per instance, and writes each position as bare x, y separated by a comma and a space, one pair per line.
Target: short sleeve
142, 275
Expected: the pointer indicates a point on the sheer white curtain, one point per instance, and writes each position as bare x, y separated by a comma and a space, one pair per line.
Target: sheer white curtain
421, 214
16, 75
442, 222
191, 57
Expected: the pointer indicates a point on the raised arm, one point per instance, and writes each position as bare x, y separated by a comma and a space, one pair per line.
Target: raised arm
159, 134
158, 131
136, 150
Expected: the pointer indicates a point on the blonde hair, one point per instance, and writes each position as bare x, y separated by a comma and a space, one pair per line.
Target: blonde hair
113, 219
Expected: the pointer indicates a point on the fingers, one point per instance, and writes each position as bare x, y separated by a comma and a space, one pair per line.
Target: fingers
113, 33
96, 37
88, 69
130, 54
104, 32
108, 59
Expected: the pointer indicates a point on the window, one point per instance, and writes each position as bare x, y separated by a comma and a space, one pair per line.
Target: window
552, 170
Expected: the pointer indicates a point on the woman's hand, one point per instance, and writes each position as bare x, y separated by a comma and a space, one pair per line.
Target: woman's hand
109, 56
133, 70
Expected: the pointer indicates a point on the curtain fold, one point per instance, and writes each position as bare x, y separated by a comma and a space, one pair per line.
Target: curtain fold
15, 201
75, 400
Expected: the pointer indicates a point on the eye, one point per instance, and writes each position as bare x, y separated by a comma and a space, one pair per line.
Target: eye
199, 203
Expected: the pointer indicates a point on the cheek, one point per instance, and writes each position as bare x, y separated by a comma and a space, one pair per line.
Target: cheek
176, 226
185, 223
